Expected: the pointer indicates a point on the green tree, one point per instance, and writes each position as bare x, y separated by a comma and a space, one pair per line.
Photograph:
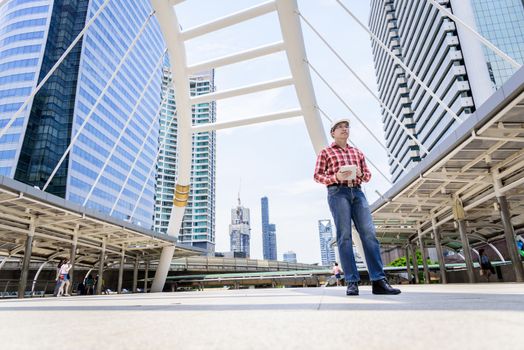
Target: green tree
400, 262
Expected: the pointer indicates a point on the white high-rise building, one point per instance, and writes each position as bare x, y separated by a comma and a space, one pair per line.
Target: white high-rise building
446, 57
198, 225
240, 230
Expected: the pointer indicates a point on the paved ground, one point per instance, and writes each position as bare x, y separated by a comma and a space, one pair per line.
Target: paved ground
481, 316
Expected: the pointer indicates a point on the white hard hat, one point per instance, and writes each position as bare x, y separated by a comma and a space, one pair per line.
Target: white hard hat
338, 121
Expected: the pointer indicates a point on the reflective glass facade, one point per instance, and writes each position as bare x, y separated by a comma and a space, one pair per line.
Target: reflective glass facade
104, 46
23, 30
48, 131
66, 100
502, 23
198, 225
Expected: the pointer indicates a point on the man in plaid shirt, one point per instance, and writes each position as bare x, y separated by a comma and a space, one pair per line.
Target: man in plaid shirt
347, 202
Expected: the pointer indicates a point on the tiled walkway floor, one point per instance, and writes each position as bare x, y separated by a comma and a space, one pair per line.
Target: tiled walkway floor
455, 316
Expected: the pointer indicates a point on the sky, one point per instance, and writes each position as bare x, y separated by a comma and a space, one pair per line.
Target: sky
277, 159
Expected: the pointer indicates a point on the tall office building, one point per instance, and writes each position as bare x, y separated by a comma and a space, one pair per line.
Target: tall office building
33, 35
198, 225
447, 57
290, 257
269, 233
240, 230
325, 232
502, 23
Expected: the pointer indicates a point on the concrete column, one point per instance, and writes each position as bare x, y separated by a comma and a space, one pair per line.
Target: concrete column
408, 265
72, 258
164, 264
424, 258
146, 276
121, 272
509, 232
101, 267
135, 275
509, 235
27, 258
440, 252
467, 251
459, 215
415, 262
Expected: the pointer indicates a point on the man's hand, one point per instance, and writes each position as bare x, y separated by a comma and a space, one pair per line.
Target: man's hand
344, 175
359, 172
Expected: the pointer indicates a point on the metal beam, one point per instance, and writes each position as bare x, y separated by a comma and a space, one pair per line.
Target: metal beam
236, 57
244, 90
296, 54
170, 27
227, 21
247, 121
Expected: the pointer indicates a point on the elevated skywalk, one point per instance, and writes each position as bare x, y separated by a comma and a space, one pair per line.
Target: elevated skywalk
57, 224
474, 176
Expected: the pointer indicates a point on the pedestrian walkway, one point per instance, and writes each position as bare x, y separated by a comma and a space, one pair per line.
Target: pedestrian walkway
455, 316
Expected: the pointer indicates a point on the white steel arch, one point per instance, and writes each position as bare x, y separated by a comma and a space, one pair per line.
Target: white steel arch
292, 44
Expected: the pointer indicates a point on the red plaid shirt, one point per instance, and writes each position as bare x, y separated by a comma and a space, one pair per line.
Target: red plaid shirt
333, 157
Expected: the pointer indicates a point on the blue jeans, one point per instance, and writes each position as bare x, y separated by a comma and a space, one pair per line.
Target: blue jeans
346, 204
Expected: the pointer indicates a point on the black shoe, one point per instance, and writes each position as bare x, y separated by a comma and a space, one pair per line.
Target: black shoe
352, 288
383, 287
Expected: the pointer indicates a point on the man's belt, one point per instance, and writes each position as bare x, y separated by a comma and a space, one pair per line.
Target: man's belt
343, 185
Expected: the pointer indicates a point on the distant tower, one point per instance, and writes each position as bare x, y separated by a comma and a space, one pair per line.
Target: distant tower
325, 232
240, 229
290, 257
269, 234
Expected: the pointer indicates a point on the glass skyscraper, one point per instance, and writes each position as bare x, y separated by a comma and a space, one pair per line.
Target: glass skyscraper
24, 26
33, 35
269, 233
447, 57
502, 23
325, 232
198, 225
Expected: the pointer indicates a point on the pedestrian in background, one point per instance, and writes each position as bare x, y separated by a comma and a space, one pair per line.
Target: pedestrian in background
337, 273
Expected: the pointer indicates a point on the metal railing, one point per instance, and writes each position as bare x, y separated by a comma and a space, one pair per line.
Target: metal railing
9, 288
202, 263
